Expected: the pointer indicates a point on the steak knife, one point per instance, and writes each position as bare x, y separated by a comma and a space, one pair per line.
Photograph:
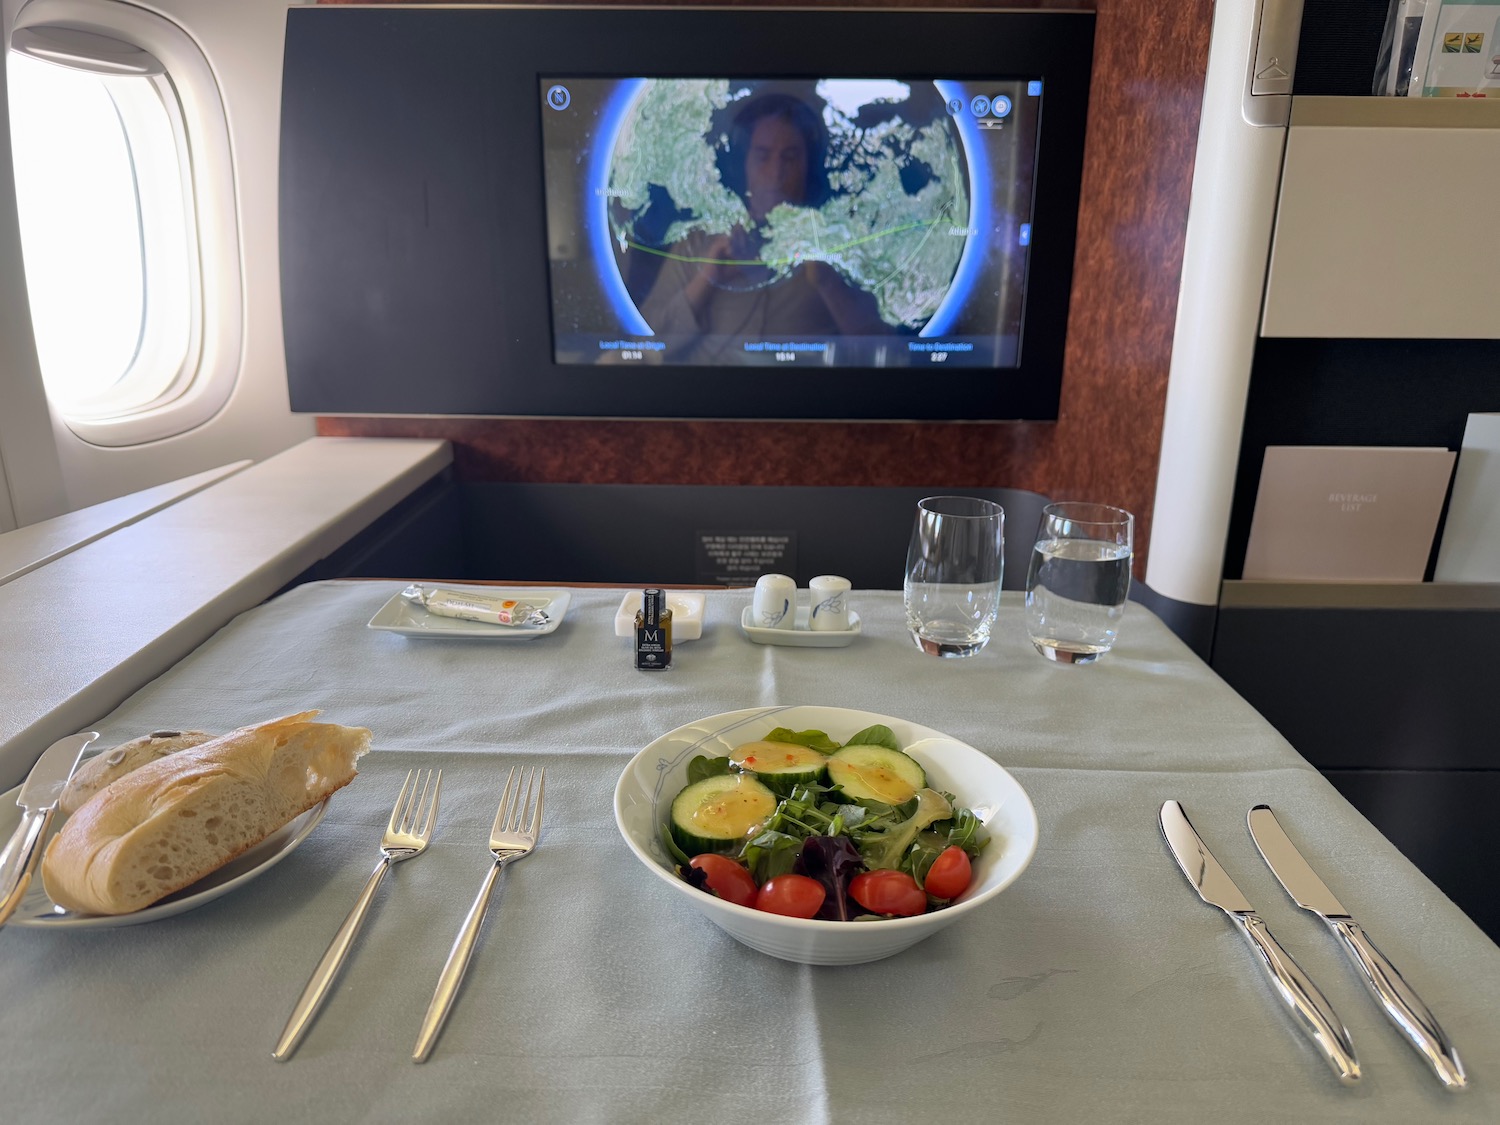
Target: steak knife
40, 792
1313, 1014
1401, 1003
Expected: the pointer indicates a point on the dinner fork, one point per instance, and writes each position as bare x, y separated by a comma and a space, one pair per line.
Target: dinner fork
512, 836
406, 835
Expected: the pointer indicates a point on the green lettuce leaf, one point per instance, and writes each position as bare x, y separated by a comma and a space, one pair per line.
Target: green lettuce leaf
702, 767
771, 853
680, 857
812, 739
878, 735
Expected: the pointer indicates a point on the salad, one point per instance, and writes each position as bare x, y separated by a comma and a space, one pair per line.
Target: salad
801, 825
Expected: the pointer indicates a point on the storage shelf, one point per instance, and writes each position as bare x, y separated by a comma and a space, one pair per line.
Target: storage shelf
1248, 594
1380, 228
1397, 113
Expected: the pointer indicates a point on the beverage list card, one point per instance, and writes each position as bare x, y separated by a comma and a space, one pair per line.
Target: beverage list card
1347, 513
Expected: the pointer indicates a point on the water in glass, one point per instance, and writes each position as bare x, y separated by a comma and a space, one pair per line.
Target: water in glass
1075, 596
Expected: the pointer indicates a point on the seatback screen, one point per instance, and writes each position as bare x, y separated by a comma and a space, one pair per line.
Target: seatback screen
833, 222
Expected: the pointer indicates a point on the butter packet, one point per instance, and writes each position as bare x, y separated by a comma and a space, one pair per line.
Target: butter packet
468, 606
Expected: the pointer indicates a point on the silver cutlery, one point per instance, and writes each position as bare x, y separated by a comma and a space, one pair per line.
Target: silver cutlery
407, 834
1313, 1014
38, 798
1402, 1005
513, 836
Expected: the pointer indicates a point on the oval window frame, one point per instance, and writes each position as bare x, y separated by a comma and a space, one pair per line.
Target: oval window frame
206, 379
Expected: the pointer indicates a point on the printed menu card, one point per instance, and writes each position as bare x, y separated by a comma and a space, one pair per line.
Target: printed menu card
1347, 513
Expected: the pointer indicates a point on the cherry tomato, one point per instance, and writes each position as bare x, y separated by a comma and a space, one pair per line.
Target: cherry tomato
727, 879
796, 896
949, 875
888, 892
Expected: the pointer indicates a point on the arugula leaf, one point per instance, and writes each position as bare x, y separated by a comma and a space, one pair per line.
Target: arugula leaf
967, 831
802, 815
919, 860
812, 739
852, 816
886, 847
701, 767
877, 735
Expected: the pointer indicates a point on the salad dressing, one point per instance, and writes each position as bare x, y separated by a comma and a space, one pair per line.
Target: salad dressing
883, 783
743, 806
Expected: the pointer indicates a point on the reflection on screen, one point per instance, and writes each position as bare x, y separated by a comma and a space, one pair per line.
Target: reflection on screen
834, 222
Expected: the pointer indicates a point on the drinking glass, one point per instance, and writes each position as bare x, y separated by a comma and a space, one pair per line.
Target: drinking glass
953, 571
1078, 580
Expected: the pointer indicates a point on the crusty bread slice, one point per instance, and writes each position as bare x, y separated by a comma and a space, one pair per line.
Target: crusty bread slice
109, 766
170, 822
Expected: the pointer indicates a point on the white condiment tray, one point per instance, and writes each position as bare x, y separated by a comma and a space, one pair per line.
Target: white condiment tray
687, 614
799, 635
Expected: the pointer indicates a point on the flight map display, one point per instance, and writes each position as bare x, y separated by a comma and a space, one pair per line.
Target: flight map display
837, 222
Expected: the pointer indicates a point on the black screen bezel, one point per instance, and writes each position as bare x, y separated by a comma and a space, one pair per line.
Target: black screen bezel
414, 257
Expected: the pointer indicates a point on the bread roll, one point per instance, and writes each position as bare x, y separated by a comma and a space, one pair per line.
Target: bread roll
111, 765
167, 824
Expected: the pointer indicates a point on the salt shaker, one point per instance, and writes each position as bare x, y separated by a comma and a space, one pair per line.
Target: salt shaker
829, 608
775, 603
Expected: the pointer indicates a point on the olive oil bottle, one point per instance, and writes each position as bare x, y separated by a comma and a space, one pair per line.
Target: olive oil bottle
653, 631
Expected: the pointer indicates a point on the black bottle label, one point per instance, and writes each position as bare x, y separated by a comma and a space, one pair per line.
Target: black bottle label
651, 649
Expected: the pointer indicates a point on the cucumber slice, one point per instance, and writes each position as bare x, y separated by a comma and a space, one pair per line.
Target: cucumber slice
873, 773
718, 813
781, 765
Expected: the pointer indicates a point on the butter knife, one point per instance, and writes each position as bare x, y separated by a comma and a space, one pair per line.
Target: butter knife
38, 798
1313, 1014
1401, 1003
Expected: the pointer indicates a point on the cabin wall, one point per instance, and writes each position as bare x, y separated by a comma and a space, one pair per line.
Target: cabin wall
243, 43
1144, 107
1143, 124
31, 487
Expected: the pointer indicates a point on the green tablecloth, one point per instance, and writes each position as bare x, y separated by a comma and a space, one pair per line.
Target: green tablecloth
1097, 987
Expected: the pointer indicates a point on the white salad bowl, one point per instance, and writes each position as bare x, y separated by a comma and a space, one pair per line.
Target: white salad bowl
643, 798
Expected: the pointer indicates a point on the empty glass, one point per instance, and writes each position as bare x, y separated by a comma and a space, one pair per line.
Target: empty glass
1078, 580
953, 571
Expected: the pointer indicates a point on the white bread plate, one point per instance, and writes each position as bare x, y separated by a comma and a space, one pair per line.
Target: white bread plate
38, 910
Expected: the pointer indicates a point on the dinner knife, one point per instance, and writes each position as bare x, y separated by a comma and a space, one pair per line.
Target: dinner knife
1401, 1003
40, 792
1313, 1013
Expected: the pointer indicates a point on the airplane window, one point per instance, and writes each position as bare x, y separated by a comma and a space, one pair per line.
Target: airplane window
125, 190
105, 235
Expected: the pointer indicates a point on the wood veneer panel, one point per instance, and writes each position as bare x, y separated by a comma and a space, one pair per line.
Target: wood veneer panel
1138, 162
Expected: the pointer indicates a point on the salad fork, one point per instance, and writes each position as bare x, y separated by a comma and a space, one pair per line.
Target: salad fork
512, 836
406, 835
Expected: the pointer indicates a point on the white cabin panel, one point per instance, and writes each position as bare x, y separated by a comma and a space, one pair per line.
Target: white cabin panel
242, 43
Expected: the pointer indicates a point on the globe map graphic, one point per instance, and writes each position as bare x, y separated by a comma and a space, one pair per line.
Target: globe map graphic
894, 222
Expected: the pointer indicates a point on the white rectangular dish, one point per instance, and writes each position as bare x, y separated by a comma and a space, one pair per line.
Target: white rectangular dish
687, 614
799, 635
399, 615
